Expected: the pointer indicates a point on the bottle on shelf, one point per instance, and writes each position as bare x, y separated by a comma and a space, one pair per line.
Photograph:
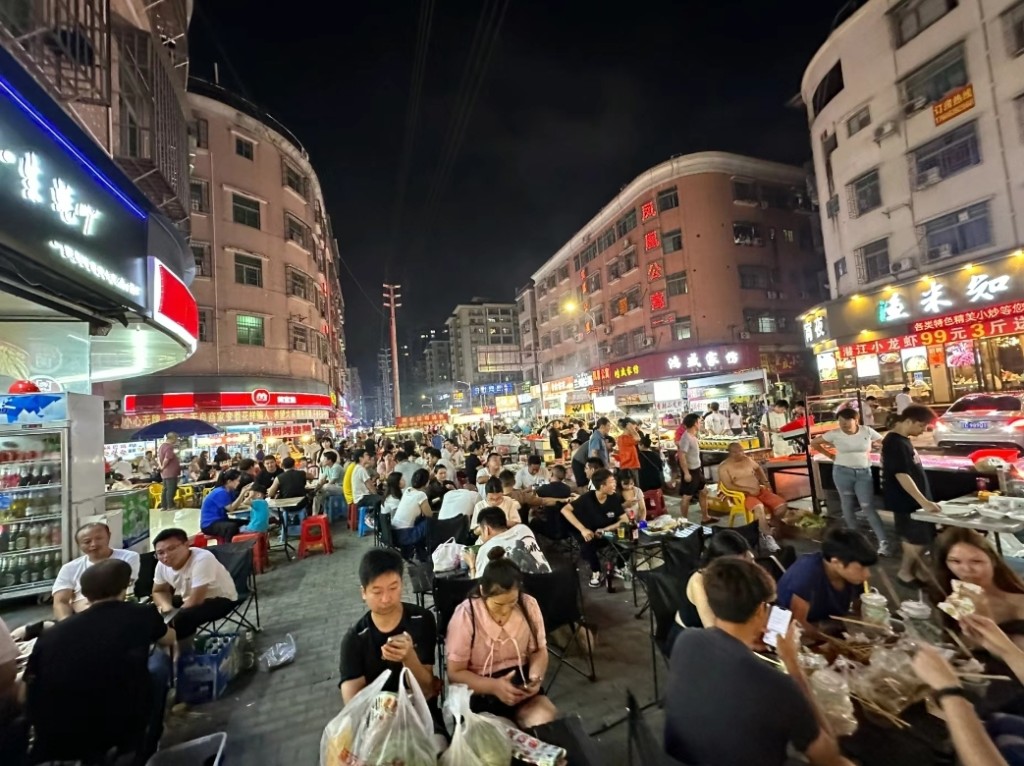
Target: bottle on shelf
5, 537
8, 577
21, 537
49, 570
27, 477
55, 533
24, 575
46, 473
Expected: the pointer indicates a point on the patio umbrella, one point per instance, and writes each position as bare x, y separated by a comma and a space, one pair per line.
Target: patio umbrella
181, 426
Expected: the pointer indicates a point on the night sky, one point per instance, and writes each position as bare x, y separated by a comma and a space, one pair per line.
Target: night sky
578, 99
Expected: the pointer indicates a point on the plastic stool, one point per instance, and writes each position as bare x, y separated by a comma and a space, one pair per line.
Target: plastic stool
308, 541
335, 507
203, 541
654, 499
364, 530
353, 516
260, 553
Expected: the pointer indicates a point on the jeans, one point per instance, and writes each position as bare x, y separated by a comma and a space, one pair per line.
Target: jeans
160, 673
857, 488
1007, 732
170, 489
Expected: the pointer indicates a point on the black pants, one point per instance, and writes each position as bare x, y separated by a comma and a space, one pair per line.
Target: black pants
589, 551
188, 620
579, 473
224, 528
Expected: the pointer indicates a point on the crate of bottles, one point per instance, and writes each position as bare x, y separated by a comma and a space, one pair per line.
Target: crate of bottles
204, 675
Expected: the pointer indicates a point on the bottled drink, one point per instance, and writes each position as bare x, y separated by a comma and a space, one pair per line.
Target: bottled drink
26, 477
21, 537
7, 576
24, 575
33, 536
35, 568
45, 473
49, 571
55, 535
5, 537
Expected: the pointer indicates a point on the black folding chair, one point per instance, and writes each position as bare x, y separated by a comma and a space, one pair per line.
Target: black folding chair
682, 554
665, 594
237, 559
751, 533
449, 592
642, 744
560, 598
441, 530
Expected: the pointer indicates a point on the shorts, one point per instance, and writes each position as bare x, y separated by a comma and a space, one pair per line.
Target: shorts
765, 497
913, 531
693, 487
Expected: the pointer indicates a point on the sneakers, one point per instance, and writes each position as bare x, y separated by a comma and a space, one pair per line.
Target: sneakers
769, 544
885, 549
596, 580
622, 574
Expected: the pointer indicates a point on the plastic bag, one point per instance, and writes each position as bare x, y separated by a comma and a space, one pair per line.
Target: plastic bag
338, 743
447, 556
525, 747
476, 742
409, 734
280, 654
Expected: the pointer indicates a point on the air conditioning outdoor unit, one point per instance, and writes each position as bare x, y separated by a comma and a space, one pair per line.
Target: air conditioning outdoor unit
940, 252
578, 337
885, 129
903, 264
647, 342
930, 177
607, 330
919, 103
744, 336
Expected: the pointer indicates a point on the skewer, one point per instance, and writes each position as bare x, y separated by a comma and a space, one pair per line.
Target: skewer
983, 677
896, 721
959, 642
874, 625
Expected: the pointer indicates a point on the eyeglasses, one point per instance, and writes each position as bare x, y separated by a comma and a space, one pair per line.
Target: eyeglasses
168, 551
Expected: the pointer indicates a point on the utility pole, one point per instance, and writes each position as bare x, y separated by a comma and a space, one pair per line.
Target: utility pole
391, 302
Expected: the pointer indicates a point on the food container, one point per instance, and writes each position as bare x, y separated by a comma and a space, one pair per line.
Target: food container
874, 607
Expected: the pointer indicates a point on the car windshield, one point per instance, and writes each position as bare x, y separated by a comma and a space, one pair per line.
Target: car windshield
987, 404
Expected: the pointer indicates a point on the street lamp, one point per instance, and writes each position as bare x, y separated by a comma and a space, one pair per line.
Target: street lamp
469, 391
425, 398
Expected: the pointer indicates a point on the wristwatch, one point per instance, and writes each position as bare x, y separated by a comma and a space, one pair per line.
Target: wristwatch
949, 691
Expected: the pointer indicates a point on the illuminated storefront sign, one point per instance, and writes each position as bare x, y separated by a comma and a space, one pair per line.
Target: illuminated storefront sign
990, 328
173, 306
815, 327
214, 401
227, 417
1001, 311
419, 421
679, 363
956, 103
495, 389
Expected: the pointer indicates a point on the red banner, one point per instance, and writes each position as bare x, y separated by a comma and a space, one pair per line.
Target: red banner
419, 421
1003, 310
978, 331
286, 432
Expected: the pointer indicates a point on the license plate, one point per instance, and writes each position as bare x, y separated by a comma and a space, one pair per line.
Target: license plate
974, 425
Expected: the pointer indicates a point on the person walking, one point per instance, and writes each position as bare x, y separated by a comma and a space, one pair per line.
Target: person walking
170, 470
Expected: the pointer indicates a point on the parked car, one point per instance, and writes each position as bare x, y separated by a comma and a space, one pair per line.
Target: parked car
983, 420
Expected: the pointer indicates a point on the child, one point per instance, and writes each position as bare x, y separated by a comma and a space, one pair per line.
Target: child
259, 516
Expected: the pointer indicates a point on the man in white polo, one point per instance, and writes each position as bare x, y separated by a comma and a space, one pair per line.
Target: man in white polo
94, 542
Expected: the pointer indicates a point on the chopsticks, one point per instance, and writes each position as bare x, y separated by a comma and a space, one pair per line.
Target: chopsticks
983, 677
896, 721
852, 621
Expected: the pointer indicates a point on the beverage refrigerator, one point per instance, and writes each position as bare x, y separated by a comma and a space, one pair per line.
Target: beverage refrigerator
51, 478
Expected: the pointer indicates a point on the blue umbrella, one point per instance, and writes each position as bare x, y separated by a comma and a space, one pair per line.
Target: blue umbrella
181, 426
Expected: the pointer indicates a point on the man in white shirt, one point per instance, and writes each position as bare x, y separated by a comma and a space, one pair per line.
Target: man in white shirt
903, 400
488, 471
194, 575
496, 498
532, 474
147, 463
458, 501
519, 542
364, 492
94, 542
715, 423
331, 477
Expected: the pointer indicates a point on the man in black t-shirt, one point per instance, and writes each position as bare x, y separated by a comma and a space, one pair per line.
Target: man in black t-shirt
593, 514
472, 464
715, 680
290, 483
905, 488
391, 636
555, 438
92, 681
271, 470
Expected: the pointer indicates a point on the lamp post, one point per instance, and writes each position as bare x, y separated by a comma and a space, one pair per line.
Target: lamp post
469, 391
426, 398
572, 307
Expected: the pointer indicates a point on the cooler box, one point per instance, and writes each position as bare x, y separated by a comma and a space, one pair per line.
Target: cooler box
203, 676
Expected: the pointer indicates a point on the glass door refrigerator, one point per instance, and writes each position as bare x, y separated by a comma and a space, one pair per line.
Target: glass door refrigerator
51, 481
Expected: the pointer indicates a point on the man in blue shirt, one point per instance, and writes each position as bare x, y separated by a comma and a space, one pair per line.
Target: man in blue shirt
825, 584
598, 447
213, 517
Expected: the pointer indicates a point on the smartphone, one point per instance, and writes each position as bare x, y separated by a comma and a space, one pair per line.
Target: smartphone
778, 624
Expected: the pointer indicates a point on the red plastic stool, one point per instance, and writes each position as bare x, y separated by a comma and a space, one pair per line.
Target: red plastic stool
353, 516
203, 541
260, 553
654, 499
307, 539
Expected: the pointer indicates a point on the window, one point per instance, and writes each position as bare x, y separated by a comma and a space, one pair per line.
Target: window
626, 224
614, 270
676, 284
873, 260
200, 130
946, 155
545, 342
787, 235
249, 330
915, 16
556, 337
860, 120
960, 232
299, 284
244, 147
746, 234
671, 241
755, 277
1013, 21
839, 267
681, 328
543, 316
563, 272
245, 210
296, 231
829, 87
298, 338
555, 309
865, 194
323, 348
200, 195
579, 260
592, 283
630, 261
205, 326
620, 345
668, 199
294, 179
248, 270
744, 191
764, 321
606, 240
597, 312
929, 83
778, 197
201, 253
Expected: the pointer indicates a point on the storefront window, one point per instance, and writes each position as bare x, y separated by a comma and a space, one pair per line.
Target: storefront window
963, 372
890, 369
1002, 363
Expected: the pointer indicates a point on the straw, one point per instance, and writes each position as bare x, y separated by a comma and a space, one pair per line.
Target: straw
852, 621
983, 677
866, 588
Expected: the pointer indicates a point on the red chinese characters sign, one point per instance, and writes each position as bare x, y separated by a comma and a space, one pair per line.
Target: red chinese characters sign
418, 421
655, 271
986, 329
1002, 311
658, 301
953, 105
651, 240
648, 211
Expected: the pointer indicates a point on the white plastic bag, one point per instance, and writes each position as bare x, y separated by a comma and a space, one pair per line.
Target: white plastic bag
447, 556
280, 654
475, 742
338, 745
409, 733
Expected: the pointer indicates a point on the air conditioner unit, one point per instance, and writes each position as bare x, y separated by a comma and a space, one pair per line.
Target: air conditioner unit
940, 252
607, 330
578, 337
744, 336
758, 241
832, 206
919, 103
903, 264
885, 129
771, 294
930, 177
647, 342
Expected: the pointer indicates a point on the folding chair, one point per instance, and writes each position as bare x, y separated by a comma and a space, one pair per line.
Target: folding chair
448, 593
385, 532
237, 559
751, 533
147, 572
665, 594
682, 554
441, 530
560, 598
641, 741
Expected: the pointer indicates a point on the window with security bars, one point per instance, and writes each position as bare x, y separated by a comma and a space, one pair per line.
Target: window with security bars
205, 325
962, 231
930, 82
323, 348
682, 328
204, 263
755, 277
629, 261
248, 270
839, 267
593, 282
668, 199
199, 195
245, 210
298, 338
946, 155
860, 120
562, 273
747, 234
676, 284
614, 270
300, 285
249, 330
294, 179
872, 261
864, 194
296, 231
765, 321
626, 224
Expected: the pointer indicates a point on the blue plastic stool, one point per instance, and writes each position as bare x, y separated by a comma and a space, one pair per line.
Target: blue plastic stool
364, 530
336, 507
